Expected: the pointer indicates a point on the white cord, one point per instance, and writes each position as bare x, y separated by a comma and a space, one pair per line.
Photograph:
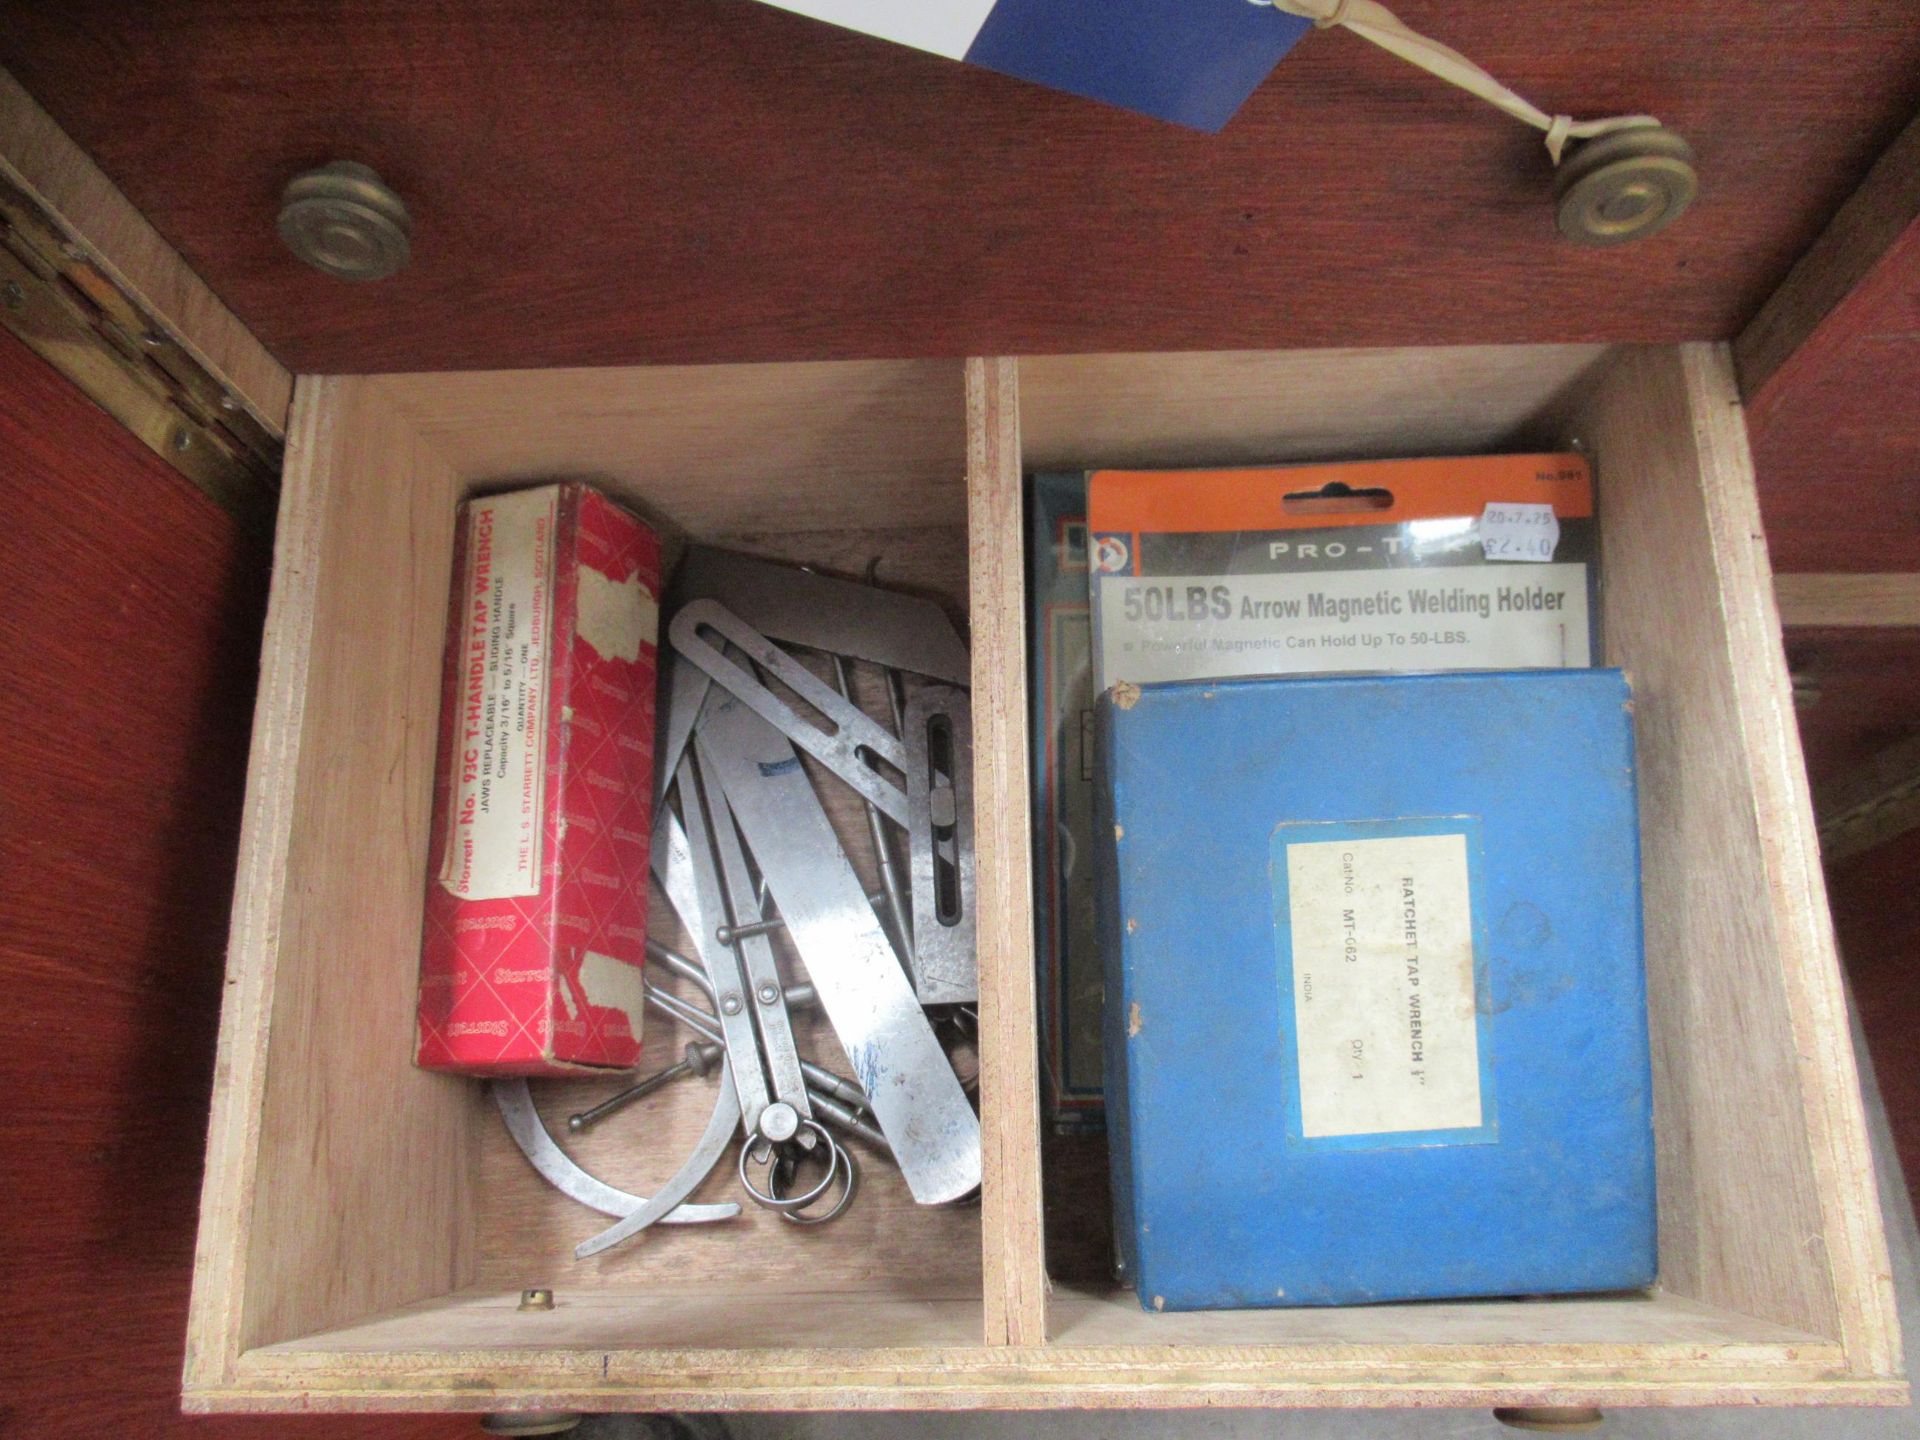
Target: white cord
1372, 21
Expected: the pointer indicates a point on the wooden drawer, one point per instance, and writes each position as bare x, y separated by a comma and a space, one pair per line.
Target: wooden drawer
367, 1228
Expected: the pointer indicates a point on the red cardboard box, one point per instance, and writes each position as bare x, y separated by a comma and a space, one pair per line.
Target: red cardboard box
536, 909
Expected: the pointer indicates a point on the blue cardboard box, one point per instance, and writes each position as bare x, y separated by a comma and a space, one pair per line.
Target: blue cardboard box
1376, 1001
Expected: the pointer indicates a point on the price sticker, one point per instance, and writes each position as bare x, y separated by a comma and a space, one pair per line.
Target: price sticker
1516, 531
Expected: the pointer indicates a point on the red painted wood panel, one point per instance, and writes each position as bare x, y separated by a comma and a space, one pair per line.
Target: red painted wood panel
1839, 461
692, 180
1831, 370
130, 609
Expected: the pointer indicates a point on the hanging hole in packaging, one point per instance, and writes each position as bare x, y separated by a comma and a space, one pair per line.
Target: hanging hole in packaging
1336, 498
946, 868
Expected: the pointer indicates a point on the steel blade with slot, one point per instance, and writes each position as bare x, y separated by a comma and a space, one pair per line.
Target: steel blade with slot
895, 1056
938, 728
765, 995
901, 632
838, 749
683, 859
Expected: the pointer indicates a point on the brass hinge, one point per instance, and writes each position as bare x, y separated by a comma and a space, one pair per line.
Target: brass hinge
70, 313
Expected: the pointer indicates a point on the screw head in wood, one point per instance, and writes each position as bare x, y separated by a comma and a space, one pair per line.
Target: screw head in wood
345, 221
1625, 186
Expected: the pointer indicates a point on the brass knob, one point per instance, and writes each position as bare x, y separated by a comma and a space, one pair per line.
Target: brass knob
1551, 1419
1625, 186
344, 220
530, 1422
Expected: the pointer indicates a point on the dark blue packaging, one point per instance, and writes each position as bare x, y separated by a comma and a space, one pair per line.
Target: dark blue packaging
1072, 981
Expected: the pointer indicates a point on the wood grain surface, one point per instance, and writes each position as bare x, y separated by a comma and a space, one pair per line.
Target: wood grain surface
1861, 599
129, 625
1858, 695
1755, 1133
689, 180
1831, 292
699, 180
685, 181
1015, 1272
336, 1169
1252, 408
1838, 466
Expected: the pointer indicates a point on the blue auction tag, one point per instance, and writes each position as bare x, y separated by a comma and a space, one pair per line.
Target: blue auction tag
1193, 62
